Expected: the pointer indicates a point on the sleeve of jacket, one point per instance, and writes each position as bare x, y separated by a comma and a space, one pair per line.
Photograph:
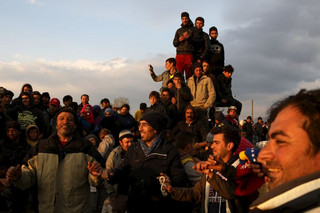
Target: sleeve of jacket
206, 46
225, 188
110, 166
176, 173
157, 78
193, 194
185, 93
212, 94
28, 175
176, 41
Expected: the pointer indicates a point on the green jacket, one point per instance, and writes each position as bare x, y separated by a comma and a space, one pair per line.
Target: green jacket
61, 175
202, 91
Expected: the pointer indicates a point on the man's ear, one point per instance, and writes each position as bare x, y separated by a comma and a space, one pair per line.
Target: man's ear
230, 145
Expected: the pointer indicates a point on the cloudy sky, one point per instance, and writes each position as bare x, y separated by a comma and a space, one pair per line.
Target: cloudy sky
103, 47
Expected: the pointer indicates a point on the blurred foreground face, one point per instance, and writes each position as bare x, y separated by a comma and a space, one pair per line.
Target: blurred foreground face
289, 153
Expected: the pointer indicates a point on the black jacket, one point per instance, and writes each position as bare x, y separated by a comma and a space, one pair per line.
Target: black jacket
186, 46
141, 172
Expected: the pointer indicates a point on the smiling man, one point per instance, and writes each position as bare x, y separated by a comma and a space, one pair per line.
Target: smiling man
143, 163
291, 160
62, 166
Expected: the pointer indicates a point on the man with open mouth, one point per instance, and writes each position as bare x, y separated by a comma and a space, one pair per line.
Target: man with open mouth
291, 160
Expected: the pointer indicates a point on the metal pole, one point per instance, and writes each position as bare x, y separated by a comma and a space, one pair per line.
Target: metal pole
252, 109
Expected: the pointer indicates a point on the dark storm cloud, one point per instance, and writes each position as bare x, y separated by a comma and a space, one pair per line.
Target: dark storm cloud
276, 50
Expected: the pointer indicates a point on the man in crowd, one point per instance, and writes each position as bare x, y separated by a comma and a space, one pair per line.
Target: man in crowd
203, 92
291, 159
248, 128
183, 42
84, 101
62, 167
224, 92
182, 94
15, 148
201, 41
143, 163
192, 125
167, 74
214, 198
231, 117
67, 100
216, 56
118, 193
258, 130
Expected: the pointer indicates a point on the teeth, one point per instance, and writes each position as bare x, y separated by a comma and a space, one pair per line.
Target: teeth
274, 170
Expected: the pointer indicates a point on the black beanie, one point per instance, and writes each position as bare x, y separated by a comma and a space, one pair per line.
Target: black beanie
13, 124
155, 120
185, 14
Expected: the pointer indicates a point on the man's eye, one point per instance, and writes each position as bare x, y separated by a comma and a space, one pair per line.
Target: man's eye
279, 142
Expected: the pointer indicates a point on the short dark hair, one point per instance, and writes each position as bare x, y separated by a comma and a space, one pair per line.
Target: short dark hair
10, 93
154, 94
172, 61
196, 65
67, 98
228, 68
200, 19
126, 106
249, 117
213, 29
143, 106
178, 75
84, 95
183, 138
230, 134
308, 104
166, 90
170, 81
106, 100
45, 94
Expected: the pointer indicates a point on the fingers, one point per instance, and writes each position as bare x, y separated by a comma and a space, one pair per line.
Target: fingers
13, 173
257, 168
94, 168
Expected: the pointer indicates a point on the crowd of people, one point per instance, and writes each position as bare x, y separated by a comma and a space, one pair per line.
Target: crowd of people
176, 154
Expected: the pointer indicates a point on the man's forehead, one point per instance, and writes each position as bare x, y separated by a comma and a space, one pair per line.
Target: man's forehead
66, 114
288, 118
143, 122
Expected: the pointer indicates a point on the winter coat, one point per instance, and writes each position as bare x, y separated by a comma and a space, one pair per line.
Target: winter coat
201, 44
141, 172
202, 91
299, 195
164, 77
186, 46
61, 174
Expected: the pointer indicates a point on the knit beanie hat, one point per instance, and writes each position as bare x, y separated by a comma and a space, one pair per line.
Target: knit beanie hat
184, 14
155, 120
13, 124
125, 134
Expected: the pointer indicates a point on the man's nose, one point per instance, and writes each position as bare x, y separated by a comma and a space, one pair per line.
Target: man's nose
266, 154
